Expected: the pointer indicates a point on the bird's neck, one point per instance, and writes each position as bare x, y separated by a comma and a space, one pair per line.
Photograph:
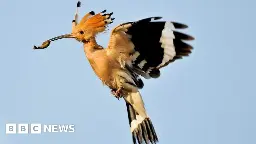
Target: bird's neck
91, 46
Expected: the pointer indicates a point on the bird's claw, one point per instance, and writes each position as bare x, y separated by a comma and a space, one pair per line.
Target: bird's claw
117, 93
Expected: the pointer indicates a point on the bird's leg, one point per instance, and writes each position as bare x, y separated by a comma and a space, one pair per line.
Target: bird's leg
113, 92
117, 93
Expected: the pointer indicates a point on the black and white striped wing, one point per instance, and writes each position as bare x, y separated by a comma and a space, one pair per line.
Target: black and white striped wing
156, 44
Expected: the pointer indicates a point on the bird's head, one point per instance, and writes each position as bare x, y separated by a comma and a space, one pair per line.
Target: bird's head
90, 25
84, 31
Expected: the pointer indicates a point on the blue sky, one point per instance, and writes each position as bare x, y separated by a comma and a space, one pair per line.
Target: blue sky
207, 98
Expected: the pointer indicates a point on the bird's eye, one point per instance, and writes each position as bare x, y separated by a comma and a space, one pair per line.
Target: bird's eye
81, 32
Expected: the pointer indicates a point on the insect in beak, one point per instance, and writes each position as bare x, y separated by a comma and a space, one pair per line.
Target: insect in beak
48, 42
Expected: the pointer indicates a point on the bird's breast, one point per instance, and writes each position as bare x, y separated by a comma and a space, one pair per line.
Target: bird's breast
104, 68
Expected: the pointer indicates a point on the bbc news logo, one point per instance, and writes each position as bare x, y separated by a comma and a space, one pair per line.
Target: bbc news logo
13, 128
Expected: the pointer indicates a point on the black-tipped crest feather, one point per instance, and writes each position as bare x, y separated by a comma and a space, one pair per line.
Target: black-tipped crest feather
78, 4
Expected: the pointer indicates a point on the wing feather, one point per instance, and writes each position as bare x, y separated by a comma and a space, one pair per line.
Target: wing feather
148, 45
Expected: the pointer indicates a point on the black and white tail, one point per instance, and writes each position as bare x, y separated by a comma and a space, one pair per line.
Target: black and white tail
142, 129
156, 44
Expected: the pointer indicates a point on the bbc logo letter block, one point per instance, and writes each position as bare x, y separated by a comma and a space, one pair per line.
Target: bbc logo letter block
13, 128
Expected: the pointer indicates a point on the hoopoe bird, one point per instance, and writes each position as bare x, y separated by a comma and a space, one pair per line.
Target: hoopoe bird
136, 49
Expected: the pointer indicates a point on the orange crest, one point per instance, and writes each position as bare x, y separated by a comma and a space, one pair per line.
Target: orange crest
95, 23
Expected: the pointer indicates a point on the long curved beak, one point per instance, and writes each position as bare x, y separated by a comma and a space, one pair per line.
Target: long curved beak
46, 43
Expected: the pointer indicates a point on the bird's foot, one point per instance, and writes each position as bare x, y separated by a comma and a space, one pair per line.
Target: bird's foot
117, 93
